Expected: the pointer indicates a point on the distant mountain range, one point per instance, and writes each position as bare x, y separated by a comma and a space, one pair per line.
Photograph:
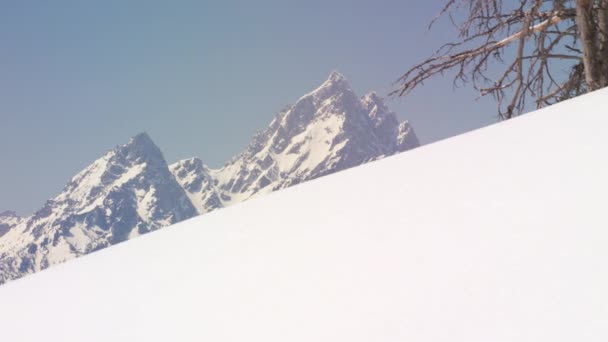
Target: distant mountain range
131, 190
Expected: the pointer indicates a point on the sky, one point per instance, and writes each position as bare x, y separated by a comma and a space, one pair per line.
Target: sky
201, 77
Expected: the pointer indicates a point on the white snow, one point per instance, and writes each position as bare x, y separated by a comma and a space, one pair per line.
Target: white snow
496, 235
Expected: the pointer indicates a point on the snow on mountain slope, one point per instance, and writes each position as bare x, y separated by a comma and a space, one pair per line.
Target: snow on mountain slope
495, 235
8, 220
325, 131
127, 192
198, 182
131, 191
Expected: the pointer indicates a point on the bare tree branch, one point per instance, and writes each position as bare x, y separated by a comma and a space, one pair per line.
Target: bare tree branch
519, 51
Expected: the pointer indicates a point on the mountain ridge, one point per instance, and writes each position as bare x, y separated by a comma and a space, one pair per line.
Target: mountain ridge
131, 190
8, 220
126, 193
327, 130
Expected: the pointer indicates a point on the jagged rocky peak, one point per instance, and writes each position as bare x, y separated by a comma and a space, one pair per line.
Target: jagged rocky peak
335, 88
128, 192
117, 166
134, 173
196, 179
336, 76
190, 173
375, 105
131, 190
335, 81
183, 167
386, 124
378, 112
333, 101
138, 171
406, 137
141, 148
327, 130
8, 220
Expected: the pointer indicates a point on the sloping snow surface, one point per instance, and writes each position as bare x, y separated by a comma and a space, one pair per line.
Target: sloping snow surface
496, 235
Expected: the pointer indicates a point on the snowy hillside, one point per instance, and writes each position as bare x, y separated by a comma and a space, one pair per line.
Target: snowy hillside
328, 130
131, 190
496, 235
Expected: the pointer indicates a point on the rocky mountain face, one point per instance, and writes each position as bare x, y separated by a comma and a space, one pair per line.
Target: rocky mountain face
8, 220
126, 193
325, 131
131, 190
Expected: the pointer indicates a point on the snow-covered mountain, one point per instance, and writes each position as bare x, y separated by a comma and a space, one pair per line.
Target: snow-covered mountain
436, 245
127, 192
131, 190
325, 131
8, 220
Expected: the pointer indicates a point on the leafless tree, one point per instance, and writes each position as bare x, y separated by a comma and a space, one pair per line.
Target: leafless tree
546, 51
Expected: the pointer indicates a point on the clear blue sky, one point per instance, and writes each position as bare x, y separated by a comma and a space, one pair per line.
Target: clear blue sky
79, 77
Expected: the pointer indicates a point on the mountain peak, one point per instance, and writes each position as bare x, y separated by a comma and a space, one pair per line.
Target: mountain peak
327, 130
334, 80
194, 164
141, 139
335, 76
127, 192
336, 84
131, 190
141, 146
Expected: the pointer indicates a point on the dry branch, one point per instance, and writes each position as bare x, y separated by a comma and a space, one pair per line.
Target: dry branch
535, 41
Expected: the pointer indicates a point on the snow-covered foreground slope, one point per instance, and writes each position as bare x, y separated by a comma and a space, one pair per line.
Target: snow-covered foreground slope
496, 235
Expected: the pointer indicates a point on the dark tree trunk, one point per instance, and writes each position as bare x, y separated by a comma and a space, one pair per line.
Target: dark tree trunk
593, 29
602, 26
